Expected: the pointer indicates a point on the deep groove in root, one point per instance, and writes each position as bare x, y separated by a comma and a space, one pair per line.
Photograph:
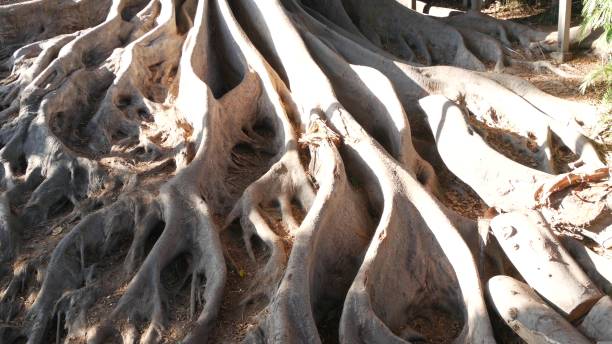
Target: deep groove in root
153, 236
62, 206
176, 279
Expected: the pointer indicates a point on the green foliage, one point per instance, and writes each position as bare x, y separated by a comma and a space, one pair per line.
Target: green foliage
601, 74
598, 14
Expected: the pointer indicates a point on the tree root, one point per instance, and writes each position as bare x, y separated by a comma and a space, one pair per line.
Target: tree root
319, 127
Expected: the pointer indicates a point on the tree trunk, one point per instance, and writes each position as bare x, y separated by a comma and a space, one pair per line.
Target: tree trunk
276, 171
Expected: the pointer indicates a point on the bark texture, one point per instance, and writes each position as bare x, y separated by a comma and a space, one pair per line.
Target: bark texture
149, 145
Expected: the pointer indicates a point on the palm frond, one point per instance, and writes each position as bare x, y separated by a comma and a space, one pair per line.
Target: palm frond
598, 14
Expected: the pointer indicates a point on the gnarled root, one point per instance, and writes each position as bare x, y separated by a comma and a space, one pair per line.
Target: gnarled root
136, 138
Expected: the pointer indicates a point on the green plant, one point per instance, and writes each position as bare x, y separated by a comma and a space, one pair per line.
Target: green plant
601, 74
598, 14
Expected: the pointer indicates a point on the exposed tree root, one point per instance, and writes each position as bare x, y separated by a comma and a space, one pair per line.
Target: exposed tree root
139, 131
